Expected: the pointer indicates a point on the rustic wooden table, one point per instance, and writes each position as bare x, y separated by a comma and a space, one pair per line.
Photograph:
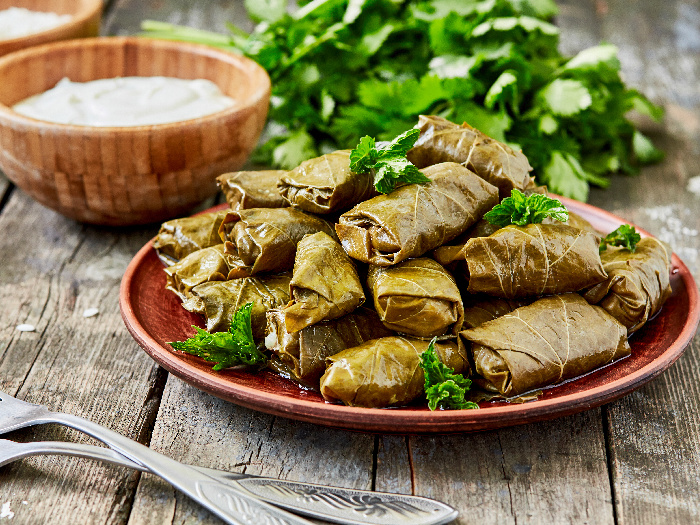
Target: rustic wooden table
633, 461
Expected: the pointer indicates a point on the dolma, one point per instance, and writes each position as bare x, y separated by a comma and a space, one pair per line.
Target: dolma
326, 184
480, 308
265, 239
637, 284
180, 237
384, 372
443, 141
205, 265
325, 284
416, 297
553, 339
218, 301
252, 189
532, 260
415, 218
305, 352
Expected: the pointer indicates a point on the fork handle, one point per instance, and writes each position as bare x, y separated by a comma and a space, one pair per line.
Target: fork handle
234, 506
335, 504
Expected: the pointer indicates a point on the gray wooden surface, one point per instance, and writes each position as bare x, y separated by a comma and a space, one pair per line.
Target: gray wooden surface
635, 461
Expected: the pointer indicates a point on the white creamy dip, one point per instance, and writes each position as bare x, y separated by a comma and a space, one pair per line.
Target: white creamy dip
126, 101
17, 21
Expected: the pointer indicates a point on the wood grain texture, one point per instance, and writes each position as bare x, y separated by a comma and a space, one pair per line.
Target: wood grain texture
85, 21
51, 270
127, 175
654, 432
552, 472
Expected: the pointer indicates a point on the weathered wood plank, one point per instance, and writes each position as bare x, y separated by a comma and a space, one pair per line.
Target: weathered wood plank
51, 270
200, 429
551, 472
654, 432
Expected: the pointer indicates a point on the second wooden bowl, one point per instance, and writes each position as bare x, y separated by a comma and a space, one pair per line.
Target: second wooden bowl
127, 175
85, 21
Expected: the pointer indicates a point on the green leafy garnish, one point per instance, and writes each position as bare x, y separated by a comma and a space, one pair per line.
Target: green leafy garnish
343, 69
235, 347
388, 163
521, 210
443, 387
625, 236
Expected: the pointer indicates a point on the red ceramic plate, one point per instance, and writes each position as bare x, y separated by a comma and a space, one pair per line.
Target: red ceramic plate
154, 316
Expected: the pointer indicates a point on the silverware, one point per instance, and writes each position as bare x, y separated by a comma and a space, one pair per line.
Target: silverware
338, 505
231, 504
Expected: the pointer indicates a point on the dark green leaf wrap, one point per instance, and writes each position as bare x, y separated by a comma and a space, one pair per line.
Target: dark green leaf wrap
252, 189
325, 284
326, 184
384, 372
637, 284
415, 218
444, 141
553, 339
205, 265
305, 352
180, 237
265, 239
533, 260
417, 297
218, 301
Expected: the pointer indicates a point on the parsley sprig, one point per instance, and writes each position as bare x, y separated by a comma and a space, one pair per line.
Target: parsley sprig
387, 163
443, 387
235, 347
344, 69
521, 210
625, 236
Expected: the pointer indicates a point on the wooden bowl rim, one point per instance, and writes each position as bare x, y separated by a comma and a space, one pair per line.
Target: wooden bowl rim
91, 8
254, 71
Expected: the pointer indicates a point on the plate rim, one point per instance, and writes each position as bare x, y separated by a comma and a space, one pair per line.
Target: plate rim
395, 420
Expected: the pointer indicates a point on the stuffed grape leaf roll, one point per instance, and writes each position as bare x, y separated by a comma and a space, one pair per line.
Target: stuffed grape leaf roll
265, 239
305, 352
218, 301
417, 297
553, 339
205, 265
326, 184
443, 141
180, 237
252, 189
481, 308
415, 218
637, 284
325, 284
384, 372
532, 260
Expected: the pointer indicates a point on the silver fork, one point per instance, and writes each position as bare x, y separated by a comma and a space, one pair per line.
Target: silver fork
220, 491
231, 504
334, 504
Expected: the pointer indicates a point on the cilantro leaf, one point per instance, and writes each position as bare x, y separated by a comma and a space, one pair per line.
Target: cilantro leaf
521, 210
443, 387
388, 164
235, 347
625, 236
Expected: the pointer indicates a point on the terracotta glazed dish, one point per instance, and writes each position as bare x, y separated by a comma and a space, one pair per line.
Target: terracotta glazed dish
154, 317
127, 175
85, 22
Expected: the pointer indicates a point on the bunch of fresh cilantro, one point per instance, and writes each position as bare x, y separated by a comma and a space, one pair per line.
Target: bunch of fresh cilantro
342, 69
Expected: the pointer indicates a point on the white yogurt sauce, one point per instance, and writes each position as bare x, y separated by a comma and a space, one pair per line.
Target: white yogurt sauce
17, 21
125, 101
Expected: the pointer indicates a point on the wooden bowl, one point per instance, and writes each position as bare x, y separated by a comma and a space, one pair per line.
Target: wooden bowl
127, 175
85, 22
